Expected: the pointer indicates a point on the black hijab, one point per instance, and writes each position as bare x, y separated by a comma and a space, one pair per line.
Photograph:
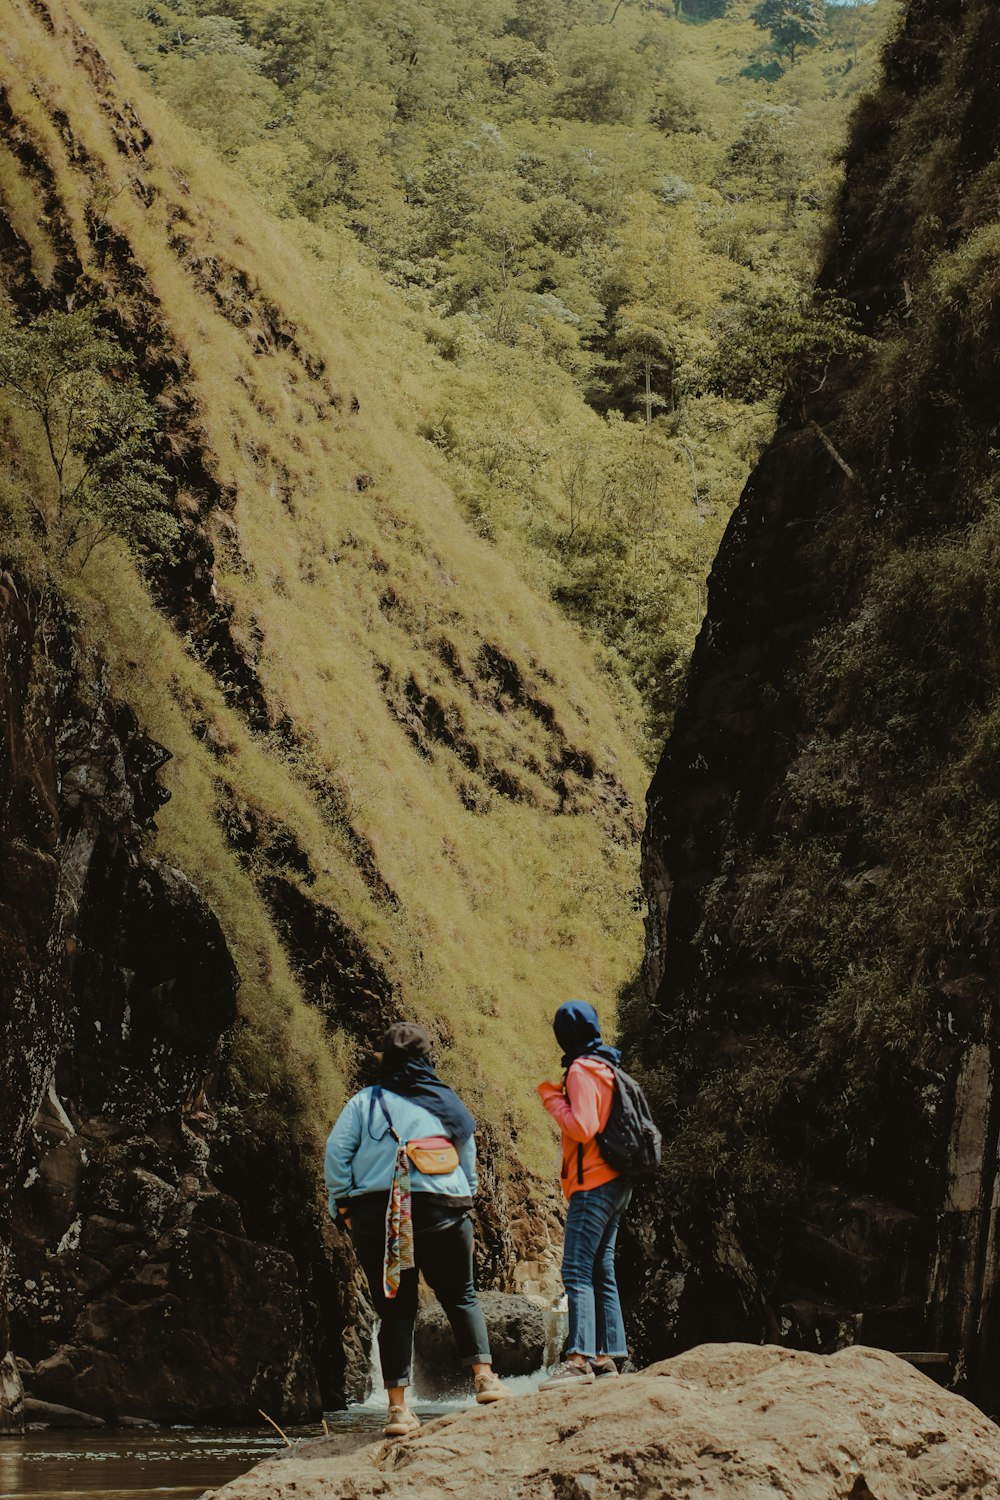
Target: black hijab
419, 1082
578, 1032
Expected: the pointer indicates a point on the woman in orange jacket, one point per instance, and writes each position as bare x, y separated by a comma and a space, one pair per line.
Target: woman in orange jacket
597, 1194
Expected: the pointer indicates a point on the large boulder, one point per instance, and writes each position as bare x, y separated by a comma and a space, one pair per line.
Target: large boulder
722, 1420
517, 1341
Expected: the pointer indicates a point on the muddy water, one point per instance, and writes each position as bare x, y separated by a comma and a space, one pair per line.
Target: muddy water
111, 1464
168, 1463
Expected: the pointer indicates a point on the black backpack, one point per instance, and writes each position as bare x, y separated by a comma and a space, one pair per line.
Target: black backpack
630, 1141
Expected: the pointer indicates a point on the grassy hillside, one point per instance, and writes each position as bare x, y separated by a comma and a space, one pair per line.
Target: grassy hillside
563, 235
396, 771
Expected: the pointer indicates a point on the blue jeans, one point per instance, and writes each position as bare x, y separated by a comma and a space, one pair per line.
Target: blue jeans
588, 1269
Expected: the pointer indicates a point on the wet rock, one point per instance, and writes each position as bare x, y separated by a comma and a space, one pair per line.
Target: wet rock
11, 1396
176, 1339
517, 1340
330, 1445
536, 1225
720, 1421
54, 1415
495, 1249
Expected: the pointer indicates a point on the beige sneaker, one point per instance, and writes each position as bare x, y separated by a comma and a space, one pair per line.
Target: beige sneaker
401, 1422
567, 1373
489, 1387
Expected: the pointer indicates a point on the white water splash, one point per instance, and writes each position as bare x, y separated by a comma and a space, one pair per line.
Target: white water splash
556, 1323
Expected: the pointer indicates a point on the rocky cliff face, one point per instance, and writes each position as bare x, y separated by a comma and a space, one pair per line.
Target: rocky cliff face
127, 1271
818, 1008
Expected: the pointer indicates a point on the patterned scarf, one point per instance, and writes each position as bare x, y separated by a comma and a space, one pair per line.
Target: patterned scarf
398, 1226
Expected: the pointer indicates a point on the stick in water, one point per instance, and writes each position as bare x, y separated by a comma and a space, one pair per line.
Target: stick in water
276, 1427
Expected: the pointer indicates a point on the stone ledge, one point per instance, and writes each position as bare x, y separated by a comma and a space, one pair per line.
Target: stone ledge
721, 1420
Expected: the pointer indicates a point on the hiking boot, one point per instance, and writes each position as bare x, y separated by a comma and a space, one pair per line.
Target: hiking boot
567, 1373
603, 1365
489, 1387
401, 1422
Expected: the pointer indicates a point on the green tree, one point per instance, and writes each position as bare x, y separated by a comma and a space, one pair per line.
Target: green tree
761, 162
220, 95
96, 430
793, 24
786, 339
701, 10
300, 42
602, 77
645, 344
538, 21
654, 292
852, 24
512, 59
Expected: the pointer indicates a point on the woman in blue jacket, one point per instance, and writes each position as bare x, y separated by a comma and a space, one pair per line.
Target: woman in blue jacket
405, 1221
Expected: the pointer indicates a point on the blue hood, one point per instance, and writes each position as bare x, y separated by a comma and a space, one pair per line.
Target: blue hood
578, 1032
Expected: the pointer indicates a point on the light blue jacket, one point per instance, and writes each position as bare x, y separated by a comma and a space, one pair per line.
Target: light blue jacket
361, 1160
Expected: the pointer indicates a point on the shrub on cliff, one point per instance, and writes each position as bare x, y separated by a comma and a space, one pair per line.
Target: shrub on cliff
94, 431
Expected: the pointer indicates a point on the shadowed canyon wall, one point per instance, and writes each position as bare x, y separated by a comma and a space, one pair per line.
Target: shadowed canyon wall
128, 1273
818, 1010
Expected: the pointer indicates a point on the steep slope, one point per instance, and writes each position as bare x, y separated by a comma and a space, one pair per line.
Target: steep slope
546, 222
821, 851
394, 777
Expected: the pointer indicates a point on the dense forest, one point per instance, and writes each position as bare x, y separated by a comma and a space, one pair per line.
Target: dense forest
582, 237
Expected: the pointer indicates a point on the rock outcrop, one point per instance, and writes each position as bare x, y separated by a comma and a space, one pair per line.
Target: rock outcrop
517, 1330
127, 1271
718, 1421
818, 1017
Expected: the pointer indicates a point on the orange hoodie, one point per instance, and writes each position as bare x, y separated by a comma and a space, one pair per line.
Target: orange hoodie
581, 1111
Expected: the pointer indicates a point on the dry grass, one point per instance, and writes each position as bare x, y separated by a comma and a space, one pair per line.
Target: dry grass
346, 556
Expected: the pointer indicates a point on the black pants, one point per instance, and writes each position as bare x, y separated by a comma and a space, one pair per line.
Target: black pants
444, 1259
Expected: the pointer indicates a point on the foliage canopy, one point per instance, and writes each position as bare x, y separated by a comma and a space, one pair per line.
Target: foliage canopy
793, 24
77, 387
577, 205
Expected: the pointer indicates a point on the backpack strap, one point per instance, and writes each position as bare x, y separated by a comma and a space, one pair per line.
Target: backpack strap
377, 1094
579, 1144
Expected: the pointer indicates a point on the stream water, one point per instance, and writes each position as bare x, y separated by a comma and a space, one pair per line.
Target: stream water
113, 1464
180, 1463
